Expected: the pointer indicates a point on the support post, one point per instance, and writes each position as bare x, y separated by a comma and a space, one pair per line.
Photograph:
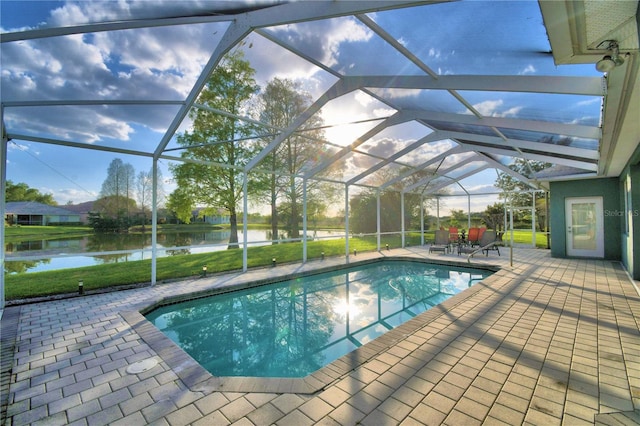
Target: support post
245, 206
505, 214
402, 218
468, 213
3, 188
346, 221
154, 221
304, 220
378, 217
511, 226
546, 217
533, 220
421, 219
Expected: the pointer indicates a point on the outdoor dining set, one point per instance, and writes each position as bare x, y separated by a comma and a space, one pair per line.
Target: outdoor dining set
476, 240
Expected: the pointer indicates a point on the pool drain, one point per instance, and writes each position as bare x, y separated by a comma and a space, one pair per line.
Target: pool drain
142, 366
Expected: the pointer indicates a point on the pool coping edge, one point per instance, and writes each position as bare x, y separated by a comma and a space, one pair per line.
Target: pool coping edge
198, 379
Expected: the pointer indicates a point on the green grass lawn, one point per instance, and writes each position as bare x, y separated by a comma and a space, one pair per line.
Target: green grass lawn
34, 284
524, 237
46, 283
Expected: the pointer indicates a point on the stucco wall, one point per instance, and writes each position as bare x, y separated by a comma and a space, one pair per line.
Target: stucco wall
631, 237
609, 190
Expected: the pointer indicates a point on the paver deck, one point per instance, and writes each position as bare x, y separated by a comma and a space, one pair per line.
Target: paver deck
545, 341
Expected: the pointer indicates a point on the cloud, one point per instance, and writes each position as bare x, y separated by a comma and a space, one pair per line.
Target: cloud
492, 108
511, 112
17, 146
267, 59
393, 94
151, 63
69, 123
322, 40
488, 108
482, 188
590, 101
426, 152
81, 12
529, 69
362, 162
66, 195
147, 63
384, 147
363, 98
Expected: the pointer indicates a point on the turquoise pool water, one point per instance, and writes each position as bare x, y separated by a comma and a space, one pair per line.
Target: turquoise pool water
293, 328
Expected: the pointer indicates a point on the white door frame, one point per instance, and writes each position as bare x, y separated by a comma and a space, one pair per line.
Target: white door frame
575, 224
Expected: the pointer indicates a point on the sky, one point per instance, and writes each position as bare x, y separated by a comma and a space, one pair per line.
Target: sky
163, 63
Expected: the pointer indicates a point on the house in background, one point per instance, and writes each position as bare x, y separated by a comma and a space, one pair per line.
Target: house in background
217, 218
33, 213
82, 210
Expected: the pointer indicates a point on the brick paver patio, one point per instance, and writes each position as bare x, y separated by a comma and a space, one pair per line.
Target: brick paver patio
547, 341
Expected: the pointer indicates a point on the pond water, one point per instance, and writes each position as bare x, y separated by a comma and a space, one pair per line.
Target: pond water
62, 253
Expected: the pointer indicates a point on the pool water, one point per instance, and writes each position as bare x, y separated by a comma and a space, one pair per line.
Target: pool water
293, 328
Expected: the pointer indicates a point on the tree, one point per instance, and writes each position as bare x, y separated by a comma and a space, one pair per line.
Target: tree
117, 188
515, 190
458, 218
116, 221
144, 190
494, 216
216, 143
181, 204
519, 193
363, 217
362, 210
282, 102
22, 192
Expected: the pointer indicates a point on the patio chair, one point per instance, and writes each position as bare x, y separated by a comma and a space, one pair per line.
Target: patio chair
441, 243
488, 241
481, 231
453, 234
474, 236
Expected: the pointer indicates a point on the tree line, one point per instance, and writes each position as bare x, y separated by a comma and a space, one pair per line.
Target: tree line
125, 198
22, 192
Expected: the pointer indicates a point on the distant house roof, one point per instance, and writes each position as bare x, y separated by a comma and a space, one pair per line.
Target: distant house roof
81, 208
34, 208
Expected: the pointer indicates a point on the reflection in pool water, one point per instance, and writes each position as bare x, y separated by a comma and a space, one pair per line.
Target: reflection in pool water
293, 328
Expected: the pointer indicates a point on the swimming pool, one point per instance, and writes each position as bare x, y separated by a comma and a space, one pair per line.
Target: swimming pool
293, 328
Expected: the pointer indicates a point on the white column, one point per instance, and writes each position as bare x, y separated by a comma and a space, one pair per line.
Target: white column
402, 217
304, 220
533, 221
505, 214
421, 220
378, 217
245, 206
154, 221
3, 188
511, 226
468, 213
346, 221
